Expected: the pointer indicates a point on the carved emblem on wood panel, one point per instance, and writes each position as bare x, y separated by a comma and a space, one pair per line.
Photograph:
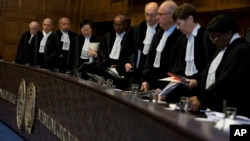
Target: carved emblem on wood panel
21, 102
29, 117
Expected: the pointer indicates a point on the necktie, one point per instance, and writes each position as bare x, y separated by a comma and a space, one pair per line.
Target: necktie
159, 49
30, 39
115, 52
213, 67
66, 41
190, 66
85, 48
43, 41
148, 39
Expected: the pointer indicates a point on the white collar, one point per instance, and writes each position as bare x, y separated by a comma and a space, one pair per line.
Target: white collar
195, 30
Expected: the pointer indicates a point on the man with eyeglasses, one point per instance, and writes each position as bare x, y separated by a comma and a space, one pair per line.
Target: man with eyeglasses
228, 71
163, 50
133, 59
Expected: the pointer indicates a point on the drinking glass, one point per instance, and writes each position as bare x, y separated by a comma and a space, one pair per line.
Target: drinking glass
101, 80
79, 75
68, 73
134, 89
231, 112
155, 96
184, 104
109, 83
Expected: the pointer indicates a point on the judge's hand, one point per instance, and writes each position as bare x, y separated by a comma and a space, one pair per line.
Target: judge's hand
128, 67
144, 86
92, 53
195, 103
192, 83
61, 56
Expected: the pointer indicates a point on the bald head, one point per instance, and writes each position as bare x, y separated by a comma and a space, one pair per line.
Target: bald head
120, 24
64, 24
151, 5
34, 27
165, 12
170, 5
150, 12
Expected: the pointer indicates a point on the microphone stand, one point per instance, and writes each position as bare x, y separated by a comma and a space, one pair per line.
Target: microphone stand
93, 66
77, 69
225, 113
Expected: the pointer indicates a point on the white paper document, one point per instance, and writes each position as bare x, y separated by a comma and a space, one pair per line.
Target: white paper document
94, 46
171, 86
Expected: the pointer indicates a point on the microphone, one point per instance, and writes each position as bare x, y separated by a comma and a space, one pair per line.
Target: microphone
95, 64
80, 67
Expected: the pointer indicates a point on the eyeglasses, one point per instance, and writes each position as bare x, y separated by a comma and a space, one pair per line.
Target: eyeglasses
214, 37
162, 14
150, 15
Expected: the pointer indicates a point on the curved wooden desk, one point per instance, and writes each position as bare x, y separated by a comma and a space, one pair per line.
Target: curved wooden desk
68, 109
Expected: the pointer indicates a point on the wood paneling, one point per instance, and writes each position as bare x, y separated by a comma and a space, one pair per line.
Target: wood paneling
204, 5
11, 27
230, 4
15, 15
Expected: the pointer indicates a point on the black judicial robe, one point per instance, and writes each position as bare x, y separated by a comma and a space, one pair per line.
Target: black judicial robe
168, 57
105, 48
203, 53
48, 59
73, 60
25, 50
232, 80
62, 61
130, 54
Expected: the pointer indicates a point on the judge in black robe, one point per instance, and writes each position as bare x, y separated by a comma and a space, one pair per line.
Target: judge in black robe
64, 26
232, 75
47, 59
133, 53
203, 50
74, 61
25, 50
169, 55
106, 46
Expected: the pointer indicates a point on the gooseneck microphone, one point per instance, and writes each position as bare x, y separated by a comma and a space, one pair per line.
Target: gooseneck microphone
95, 64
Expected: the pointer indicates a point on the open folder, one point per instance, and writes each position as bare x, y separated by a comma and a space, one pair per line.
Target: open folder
175, 80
